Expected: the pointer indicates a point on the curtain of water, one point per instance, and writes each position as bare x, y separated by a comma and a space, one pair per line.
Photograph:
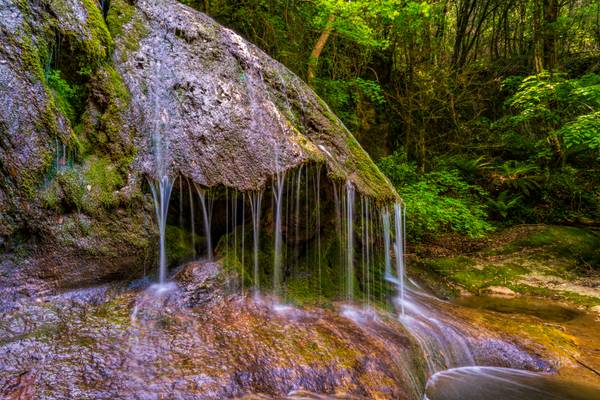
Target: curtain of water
161, 196
368, 250
206, 211
318, 201
399, 249
255, 199
349, 241
277, 261
243, 247
297, 219
192, 220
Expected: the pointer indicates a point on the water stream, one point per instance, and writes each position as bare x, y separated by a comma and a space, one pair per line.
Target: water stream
492, 383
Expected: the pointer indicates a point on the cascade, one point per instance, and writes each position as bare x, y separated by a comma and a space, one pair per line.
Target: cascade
255, 199
349, 241
181, 226
243, 248
161, 195
399, 250
206, 213
443, 345
366, 275
297, 218
192, 220
318, 201
277, 262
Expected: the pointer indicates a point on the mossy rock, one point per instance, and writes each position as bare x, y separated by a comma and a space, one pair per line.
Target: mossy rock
538, 260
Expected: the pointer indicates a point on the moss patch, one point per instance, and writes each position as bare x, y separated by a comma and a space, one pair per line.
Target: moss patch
545, 261
120, 14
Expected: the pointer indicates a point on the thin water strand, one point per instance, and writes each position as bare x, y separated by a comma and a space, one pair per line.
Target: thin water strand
206, 220
161, 196
349, 241
399, 248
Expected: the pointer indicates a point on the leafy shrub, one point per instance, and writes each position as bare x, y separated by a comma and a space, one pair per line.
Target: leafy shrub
551, 107
438, 201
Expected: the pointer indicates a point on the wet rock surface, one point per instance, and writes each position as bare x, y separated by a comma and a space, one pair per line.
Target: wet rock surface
73, 206
119, 342
195, 338
234, 116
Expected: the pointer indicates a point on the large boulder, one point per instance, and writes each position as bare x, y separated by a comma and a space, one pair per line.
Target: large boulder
95, 101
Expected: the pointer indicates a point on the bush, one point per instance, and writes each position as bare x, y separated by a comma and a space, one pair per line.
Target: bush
437, 202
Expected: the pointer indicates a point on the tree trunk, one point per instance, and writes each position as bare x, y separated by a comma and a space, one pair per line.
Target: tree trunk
550, 17
537, 37
313, 62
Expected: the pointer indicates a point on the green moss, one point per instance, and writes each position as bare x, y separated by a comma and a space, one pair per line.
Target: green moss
103, 180
372, 180
308, 279
179, 244
100, 44
73, 188
50, 198
31, 59
575, 298
120, 14
105, 134
465, 272
126, 25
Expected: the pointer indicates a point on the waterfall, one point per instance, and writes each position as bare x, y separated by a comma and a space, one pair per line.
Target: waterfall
161, 196
192, 220
387, 244
277, 261
349, 241
255, 207
318, 201
367, 250
399, 249
443, 345
206, 212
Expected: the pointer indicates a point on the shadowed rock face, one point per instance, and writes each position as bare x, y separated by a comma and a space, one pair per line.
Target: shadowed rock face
225, 113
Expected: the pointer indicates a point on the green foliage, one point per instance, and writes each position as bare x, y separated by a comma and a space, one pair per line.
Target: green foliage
551, 105
583, 131
438, 201
503, 205
69, 98
346, 95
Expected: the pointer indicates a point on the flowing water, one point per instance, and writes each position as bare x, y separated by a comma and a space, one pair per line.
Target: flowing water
161, 195
442, 343
372, 257
349, 242
192, 220
206, 218
399, 250
491, 383
255, 199
277, 261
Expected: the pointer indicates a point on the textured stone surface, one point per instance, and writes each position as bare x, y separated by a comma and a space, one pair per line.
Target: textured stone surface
225, 113
228, 113
112, 342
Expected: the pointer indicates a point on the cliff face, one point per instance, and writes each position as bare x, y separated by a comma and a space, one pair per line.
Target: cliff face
89, 96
